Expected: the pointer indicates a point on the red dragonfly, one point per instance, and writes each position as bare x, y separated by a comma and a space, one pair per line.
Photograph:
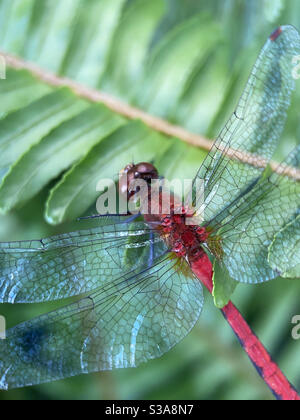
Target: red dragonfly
139, 278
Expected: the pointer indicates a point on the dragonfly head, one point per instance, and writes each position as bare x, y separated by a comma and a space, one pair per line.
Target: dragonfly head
132, 172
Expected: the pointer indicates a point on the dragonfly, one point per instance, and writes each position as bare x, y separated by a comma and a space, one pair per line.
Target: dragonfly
137, 281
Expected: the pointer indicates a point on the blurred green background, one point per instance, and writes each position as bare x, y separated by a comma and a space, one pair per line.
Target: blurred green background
186, 61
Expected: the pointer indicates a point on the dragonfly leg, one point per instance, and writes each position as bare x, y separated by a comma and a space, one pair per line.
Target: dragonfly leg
98, 216
151, 254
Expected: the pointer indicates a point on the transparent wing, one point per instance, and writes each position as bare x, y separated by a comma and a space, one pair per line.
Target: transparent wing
250, 227
284, 252
249, 139
74, 263
124, 323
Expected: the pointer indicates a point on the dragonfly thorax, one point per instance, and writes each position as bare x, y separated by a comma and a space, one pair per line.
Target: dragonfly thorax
183, 239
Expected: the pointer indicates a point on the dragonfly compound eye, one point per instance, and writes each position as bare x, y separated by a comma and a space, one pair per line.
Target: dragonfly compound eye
145, 171
123, 181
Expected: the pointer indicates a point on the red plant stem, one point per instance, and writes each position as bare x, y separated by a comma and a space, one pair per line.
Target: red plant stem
257, 353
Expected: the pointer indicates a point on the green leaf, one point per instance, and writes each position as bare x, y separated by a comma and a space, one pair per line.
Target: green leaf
172, 62
180, 162
130, 46
19, 89
22, 129
224, 285
236, 79
19, 16
5, 9
90, 43
204, 93
55, 153
272, 9
284, 252
50, 53
77, 191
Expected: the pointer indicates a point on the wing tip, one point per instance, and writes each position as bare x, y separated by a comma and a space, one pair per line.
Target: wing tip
276, 33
